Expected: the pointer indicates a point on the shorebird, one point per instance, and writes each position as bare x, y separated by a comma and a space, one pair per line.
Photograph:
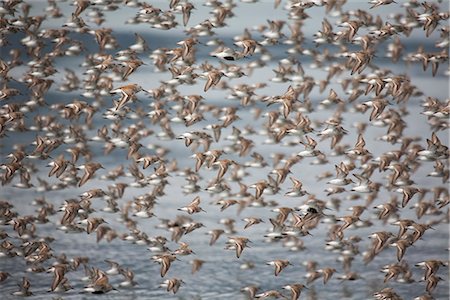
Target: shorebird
225, 203
127, 93
327, 273
238, 244
99, 283
165, 260
249, 46
408, 192
128, 278
223, 167
130, 66
212, 79
381, 239
432, 282
419, 230
250, 290
386, 293
270, 294
310, 146
348, 221
333, 98
196, 265
114, 267
24, 288
252, 221
359, 149
431, 266
186, 9
295, 289
59, 279
279, 265
341, 175
89, 170
215, 234
364, 185
226, 54
377, 3
93, 223
172, 285
4, 276
140, 45
378, 106
193, 207
58, 165
296, 190
401, 246
283, 213
259, 187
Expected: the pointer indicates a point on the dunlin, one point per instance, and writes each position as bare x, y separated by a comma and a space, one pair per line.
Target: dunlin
89, 170
295, 289
238, 244
193, 207
127, 93
165, 260
172, 285
279, 265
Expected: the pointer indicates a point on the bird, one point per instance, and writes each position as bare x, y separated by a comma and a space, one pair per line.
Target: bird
172, 285
213, 78
249, 46
341, 175
252, 221
430, 266
327, 274
259, 187
89, 170
127, 93
93, 223
186, 8
380, 240
59, 273
128, 275
432, 282
226, 54
192, 207
238, 244
114, 267
196, 265
215, 234
165, 260
99, 283
250, 290
4, 276
279, 265
401, 246
24, 288
377, 3
59, 165
386, 293
378, 106
359, 149
295, 289
223, 167
364, 184
270, 294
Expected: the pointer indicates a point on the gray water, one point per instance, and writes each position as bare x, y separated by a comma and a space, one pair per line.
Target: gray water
221, 276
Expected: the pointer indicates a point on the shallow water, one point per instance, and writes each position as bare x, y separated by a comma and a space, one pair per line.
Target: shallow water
221, 276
